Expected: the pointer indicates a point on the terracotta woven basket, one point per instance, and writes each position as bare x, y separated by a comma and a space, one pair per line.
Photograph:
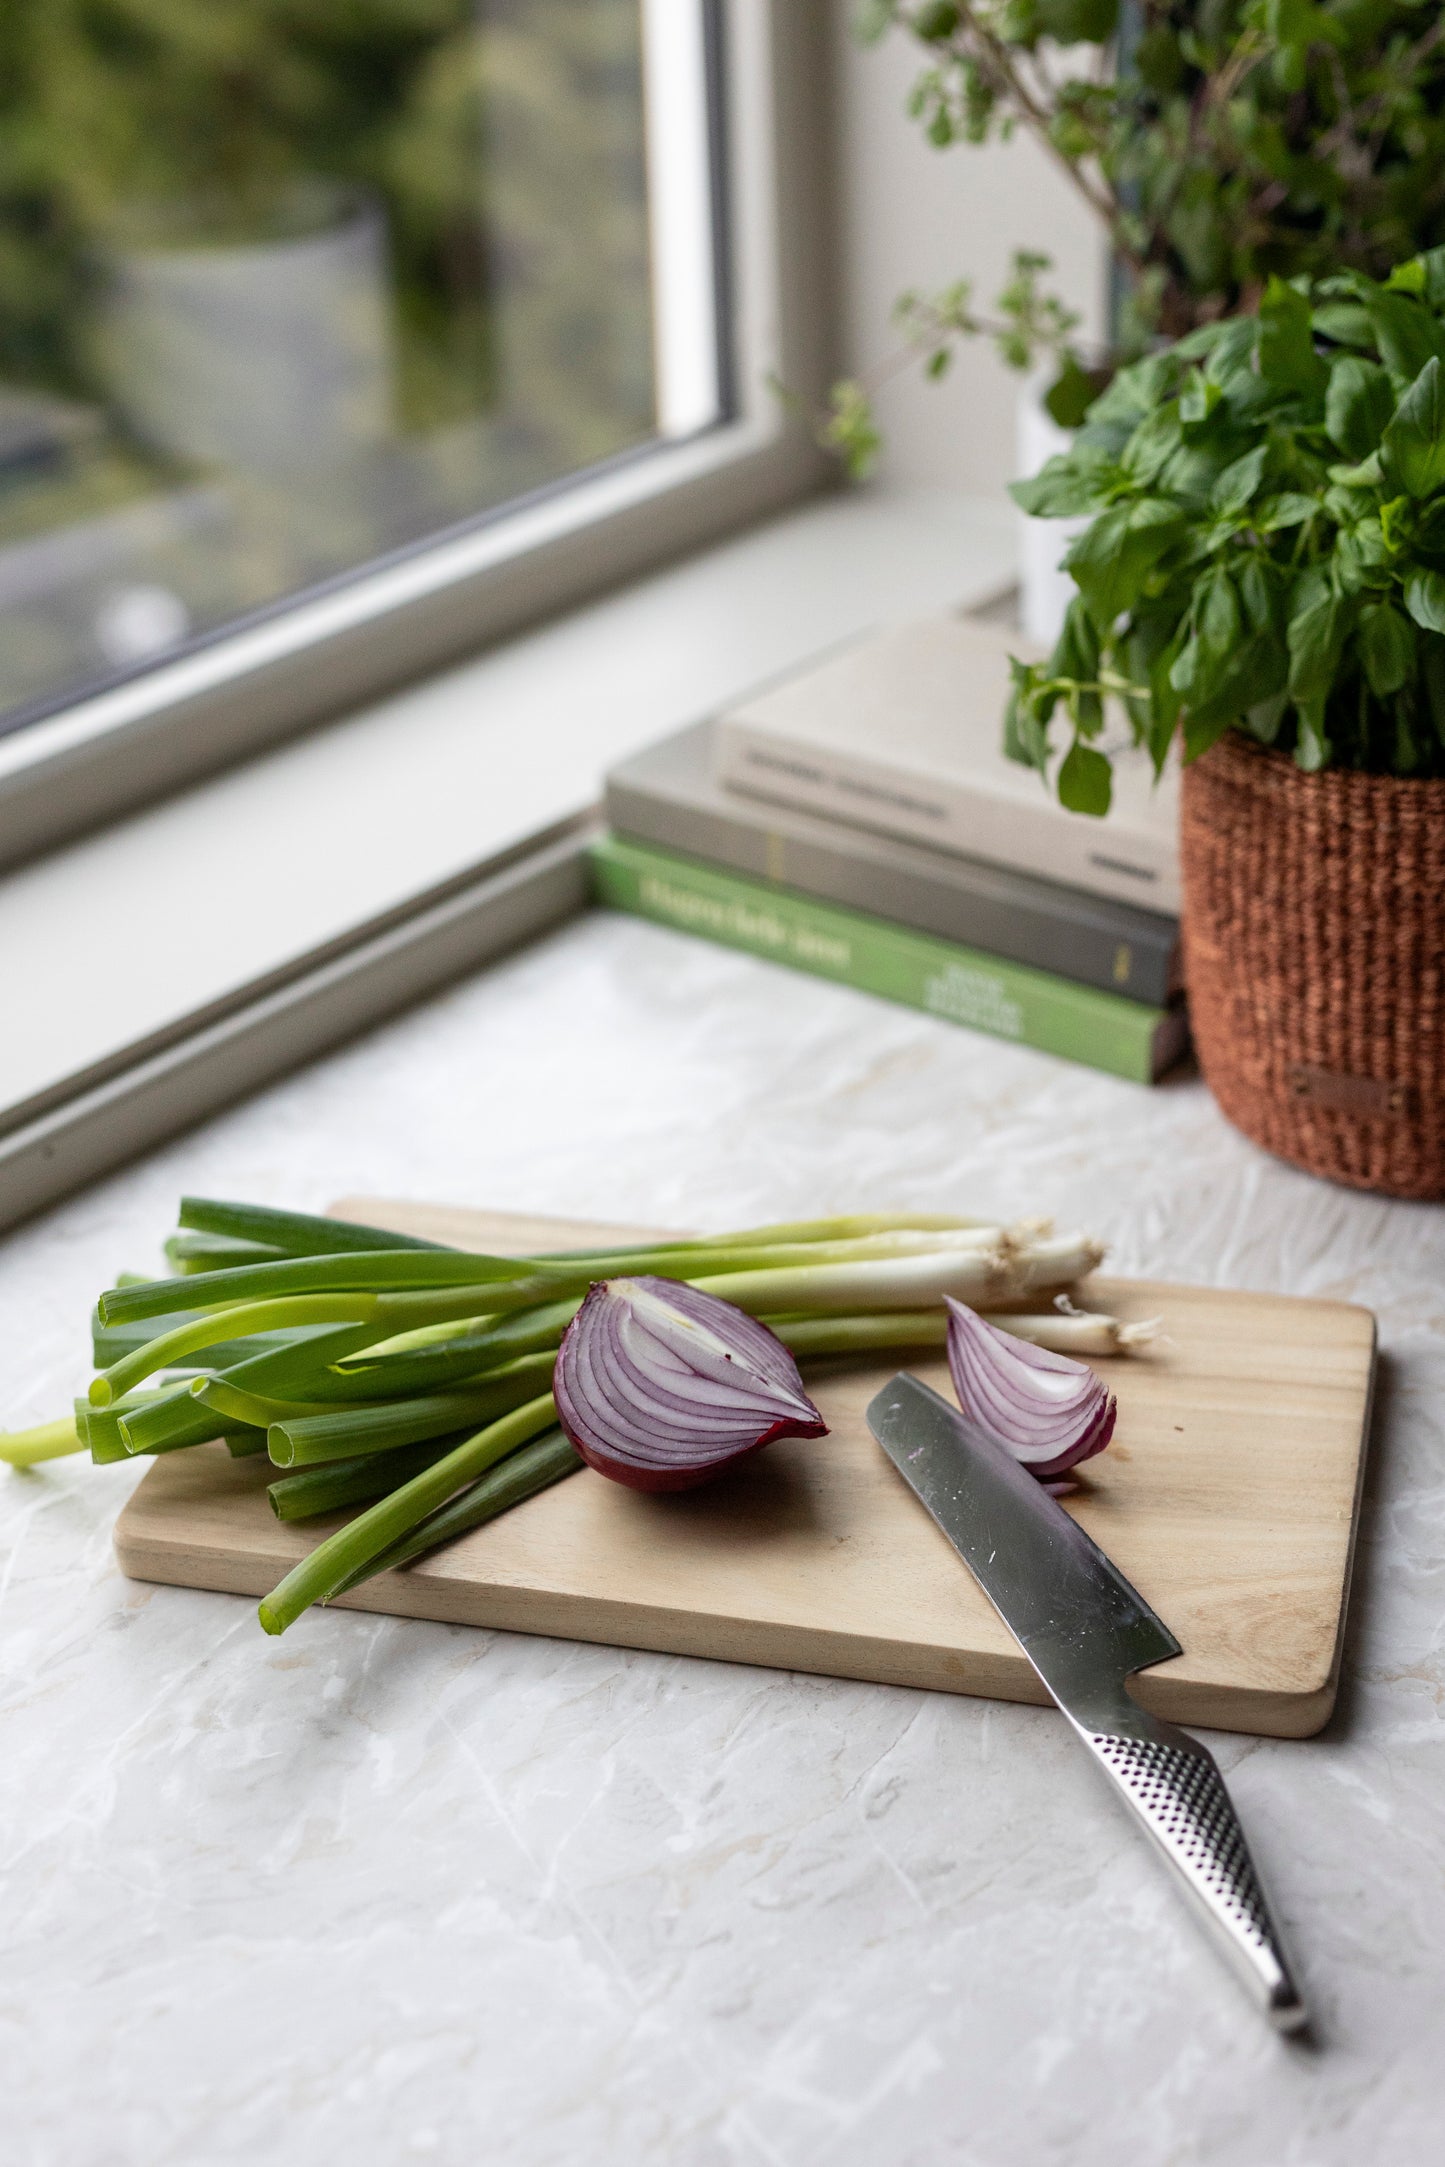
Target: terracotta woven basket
1314, 944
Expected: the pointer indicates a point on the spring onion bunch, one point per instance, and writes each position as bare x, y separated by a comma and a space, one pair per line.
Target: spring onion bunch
415, 1381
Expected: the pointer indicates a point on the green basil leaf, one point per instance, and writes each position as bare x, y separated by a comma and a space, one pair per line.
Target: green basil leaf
1387, 649
1216, 628
1199, 344
1072, 393
1364, 554
1112, 559
1025, 729
1312, 586
1231, 356
1316, 636
1398, 524
1149, 650
1364, 476
1264, 718
1433, 261
1288, 510
1239, 481
1193, 471
1407, 334
1412, 449
1347, 323
1061, 490
1425, 599
1358, 404
1085, 781
1200, 732
1260, 592
1312, 751
1135, 391
1076, 653
1156, 439
1199, 397
1287, 357
1423, 275
1407, 277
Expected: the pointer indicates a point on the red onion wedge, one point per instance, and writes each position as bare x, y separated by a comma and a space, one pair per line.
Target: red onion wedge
660, 1385
1048, 1410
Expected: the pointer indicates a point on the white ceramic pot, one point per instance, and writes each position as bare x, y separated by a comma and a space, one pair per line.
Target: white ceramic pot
273, 357
1045, 591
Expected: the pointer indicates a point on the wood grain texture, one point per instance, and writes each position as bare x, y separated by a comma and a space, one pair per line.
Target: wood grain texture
1229, 1498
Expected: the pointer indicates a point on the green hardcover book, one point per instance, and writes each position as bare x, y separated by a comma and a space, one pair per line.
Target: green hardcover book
1055, 1015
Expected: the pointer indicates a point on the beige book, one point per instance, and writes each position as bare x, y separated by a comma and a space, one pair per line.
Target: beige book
903, 733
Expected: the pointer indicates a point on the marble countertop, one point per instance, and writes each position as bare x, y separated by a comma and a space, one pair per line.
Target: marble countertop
384, 1891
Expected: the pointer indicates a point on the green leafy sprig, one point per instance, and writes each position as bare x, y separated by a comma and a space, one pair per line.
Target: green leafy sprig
1027, 324
1266, 547
1217, 143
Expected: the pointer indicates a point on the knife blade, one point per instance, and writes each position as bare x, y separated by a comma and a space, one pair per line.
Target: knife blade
1086, 1631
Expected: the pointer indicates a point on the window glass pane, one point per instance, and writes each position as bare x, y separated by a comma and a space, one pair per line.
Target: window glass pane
288, 285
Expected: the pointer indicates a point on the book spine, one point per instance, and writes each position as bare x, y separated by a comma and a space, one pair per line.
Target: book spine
1007, 914
1127, 865
943, 978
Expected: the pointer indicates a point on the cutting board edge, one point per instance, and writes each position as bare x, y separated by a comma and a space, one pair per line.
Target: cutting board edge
710, 1637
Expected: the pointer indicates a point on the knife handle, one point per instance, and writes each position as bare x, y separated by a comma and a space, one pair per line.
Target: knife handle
1173, 1785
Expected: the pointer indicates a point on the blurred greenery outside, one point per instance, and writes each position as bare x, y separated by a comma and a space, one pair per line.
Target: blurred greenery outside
449, 199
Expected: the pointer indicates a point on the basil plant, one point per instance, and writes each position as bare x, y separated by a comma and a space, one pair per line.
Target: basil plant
1266, 550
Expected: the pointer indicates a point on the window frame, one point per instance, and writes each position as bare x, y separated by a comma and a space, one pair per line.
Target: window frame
114, 750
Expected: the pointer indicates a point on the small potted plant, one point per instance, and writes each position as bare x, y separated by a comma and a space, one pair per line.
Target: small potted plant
1216, 144
1263, 575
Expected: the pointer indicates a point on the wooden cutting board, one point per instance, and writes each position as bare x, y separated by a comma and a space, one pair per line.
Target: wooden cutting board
1229, 1497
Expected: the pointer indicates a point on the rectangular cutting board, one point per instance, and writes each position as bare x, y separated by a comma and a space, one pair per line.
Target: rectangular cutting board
1229, 1497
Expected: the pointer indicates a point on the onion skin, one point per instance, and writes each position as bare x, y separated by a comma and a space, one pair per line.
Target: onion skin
659, 1482
623, 1418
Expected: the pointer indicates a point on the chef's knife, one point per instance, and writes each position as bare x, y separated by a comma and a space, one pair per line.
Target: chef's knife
1085, 1630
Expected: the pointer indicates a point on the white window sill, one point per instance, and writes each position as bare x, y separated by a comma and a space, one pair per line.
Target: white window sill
120, 945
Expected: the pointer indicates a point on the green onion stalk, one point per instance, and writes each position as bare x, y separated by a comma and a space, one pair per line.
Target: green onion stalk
380, 1370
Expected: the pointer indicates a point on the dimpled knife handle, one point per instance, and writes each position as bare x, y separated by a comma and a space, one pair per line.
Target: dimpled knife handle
1172, 1784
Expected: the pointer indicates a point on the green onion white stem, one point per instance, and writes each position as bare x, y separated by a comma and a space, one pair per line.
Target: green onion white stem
881, 1283
1057, 1262
1080, 1331
1077, 1332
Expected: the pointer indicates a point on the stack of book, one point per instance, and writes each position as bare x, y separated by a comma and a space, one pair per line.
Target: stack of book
860, 821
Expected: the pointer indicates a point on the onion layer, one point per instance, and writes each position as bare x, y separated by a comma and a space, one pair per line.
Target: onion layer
659, 1385
1048, 1410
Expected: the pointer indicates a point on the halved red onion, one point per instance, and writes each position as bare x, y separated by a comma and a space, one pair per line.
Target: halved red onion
1048, 1410
660, 1385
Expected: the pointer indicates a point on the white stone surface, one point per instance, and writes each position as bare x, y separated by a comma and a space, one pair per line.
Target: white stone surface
384, 1891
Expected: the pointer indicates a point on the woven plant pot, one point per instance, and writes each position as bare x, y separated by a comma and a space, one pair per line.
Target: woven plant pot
1314, 946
